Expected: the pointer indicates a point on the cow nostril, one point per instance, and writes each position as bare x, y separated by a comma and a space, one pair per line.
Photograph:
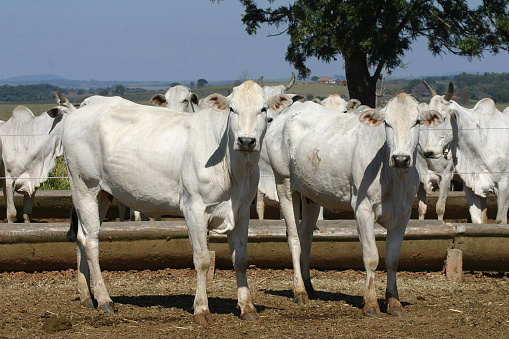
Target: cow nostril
401, 160
428, 154
245, 142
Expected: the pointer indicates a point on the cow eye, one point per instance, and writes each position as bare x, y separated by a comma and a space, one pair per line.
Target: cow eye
264, 110
269, 119
418, 122
232, 111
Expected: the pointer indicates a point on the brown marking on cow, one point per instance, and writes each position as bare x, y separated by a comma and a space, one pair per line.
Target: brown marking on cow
315, 160
371, 308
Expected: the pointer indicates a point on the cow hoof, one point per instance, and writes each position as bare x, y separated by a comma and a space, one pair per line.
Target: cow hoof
397, 314
301, 298
106, 308
203, 319
88, 303
371, 311
394, 307
251, 316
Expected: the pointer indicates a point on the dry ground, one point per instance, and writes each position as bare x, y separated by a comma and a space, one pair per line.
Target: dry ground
154, 304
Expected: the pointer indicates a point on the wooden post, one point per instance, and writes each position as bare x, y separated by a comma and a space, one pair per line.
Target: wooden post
212, 268
454, 265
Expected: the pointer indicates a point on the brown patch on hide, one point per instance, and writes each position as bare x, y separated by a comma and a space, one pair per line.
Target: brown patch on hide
315, 160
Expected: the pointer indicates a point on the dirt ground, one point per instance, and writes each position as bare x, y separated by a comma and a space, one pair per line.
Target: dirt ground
154, 304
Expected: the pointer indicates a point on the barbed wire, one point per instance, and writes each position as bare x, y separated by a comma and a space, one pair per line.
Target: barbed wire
30, 135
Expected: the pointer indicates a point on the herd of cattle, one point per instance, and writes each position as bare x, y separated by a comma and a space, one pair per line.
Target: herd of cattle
258, 141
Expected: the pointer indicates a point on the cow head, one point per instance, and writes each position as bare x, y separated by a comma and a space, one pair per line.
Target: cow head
439, 140
402, 118
248, 107
279, 89
337, 103
177, 98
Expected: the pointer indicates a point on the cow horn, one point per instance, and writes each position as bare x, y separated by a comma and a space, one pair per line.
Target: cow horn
450, 91
431, 91
60, 98
260, 81
290, 83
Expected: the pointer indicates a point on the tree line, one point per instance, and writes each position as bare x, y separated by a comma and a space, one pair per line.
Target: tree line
466, 86
45, 92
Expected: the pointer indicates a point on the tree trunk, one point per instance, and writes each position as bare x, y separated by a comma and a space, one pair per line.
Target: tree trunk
361, 85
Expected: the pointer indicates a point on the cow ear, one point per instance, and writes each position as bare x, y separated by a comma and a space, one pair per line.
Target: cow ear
296, 97
353, 104
431, 118
279, 102
454, 114
158, 100
55, 112
194, 98
372, 118
217, 101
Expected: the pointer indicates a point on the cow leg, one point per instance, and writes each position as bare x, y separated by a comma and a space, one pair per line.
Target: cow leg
260, 205
197, 229
365, 219
135, 215
475, 206
91, 209
310, 213
237, 241
484, 210
9, 200
502, 203
443, 191
121, 211
421, 196
392, 251
290, 203
320, 214
28, 203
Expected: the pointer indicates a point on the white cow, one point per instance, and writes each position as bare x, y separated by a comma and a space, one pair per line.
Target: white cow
477, 141
266, 193
435, 173
177, 98
337, 103
344, 162
30, 146
203, 166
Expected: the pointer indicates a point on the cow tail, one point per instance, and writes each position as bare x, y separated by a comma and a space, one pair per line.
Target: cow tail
72, 233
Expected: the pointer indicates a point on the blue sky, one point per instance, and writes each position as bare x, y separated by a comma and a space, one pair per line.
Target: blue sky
172, 40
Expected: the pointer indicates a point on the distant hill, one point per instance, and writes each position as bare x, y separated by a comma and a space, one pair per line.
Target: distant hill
33, 78
56, 80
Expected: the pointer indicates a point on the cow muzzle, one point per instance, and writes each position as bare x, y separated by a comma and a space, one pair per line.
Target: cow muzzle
401, 161
432, 154
246, 144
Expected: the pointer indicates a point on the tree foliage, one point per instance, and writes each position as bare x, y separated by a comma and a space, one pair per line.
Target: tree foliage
371, 34
27, 93
201, 83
